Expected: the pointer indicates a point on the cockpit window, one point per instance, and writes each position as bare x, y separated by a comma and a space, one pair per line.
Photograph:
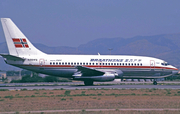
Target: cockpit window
165, 64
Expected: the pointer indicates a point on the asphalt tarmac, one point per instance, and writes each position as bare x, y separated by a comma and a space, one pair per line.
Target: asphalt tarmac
80, 85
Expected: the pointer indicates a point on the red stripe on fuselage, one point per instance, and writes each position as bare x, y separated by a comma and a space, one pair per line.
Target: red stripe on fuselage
111, 67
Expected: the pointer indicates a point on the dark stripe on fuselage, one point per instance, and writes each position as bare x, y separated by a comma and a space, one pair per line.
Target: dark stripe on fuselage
128, 71
114, 67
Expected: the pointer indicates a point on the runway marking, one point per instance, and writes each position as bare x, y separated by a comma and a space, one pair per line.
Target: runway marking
73, 87
96, 110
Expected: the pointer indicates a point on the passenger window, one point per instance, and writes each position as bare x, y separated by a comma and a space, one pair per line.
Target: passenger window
96, 63
65, 63
74, 63
138, 64
62, 63
50, 63
89, 63
141, 64
132, 64
56, 63
86, 63
71, 63
114, 63
80, 63
122, 64
92, 63
83, 63
129, 64
77, 63
68, 63
126, 64
108, 63
59, 63
117, 64
53, 63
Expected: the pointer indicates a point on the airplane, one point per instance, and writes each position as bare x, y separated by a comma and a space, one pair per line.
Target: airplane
87, 68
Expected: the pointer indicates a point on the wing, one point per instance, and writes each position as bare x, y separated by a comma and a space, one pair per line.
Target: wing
86, 71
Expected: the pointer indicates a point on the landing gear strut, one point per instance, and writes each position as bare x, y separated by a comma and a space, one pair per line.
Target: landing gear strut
88, 82
155, 82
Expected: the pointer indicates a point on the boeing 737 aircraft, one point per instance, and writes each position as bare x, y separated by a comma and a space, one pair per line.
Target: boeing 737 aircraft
87, 68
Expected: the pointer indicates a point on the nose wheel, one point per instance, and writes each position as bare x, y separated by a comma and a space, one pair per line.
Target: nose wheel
88, 82
155, 82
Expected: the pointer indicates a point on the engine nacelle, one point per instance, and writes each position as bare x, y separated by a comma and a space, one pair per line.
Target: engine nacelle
103, 78
119, 73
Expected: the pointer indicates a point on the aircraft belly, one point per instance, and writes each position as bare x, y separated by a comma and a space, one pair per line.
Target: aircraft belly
139, 73
146, 73
59, 72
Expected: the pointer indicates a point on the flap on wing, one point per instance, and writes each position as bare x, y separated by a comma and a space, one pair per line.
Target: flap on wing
11, 57
86, 71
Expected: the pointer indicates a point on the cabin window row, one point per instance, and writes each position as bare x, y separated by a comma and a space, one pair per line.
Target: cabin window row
102, 64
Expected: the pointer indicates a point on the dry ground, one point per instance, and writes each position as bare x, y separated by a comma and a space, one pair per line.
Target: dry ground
29, 100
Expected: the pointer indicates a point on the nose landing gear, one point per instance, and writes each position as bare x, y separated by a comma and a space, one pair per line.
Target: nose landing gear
155, 82
88, 82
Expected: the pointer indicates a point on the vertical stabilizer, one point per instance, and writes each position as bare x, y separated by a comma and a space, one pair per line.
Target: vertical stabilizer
18, 44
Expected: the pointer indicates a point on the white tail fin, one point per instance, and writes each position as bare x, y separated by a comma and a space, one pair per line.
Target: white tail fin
18, 44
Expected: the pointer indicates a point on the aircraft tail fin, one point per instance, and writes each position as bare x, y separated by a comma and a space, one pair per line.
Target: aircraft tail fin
17, 42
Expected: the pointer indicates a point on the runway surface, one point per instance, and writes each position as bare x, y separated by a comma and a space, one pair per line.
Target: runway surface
94, 110
79, 85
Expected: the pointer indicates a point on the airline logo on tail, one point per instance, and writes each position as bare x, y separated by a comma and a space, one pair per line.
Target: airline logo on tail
20, 43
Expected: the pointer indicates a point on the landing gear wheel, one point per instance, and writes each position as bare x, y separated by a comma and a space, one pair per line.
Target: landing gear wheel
155, 83
88, 83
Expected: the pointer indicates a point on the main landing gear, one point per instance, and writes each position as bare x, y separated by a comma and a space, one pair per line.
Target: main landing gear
88, 83
155, 82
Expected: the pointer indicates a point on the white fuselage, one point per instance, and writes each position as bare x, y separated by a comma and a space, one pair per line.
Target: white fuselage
65, 65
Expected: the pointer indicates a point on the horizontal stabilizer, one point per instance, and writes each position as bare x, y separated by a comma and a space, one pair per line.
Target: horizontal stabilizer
11, 57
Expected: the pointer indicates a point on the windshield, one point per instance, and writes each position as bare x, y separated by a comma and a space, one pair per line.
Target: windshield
165, 64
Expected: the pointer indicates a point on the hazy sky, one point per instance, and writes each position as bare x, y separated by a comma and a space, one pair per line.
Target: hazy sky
75, 22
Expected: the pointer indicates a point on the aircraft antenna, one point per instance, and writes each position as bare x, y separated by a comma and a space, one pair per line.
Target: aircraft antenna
110, 50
